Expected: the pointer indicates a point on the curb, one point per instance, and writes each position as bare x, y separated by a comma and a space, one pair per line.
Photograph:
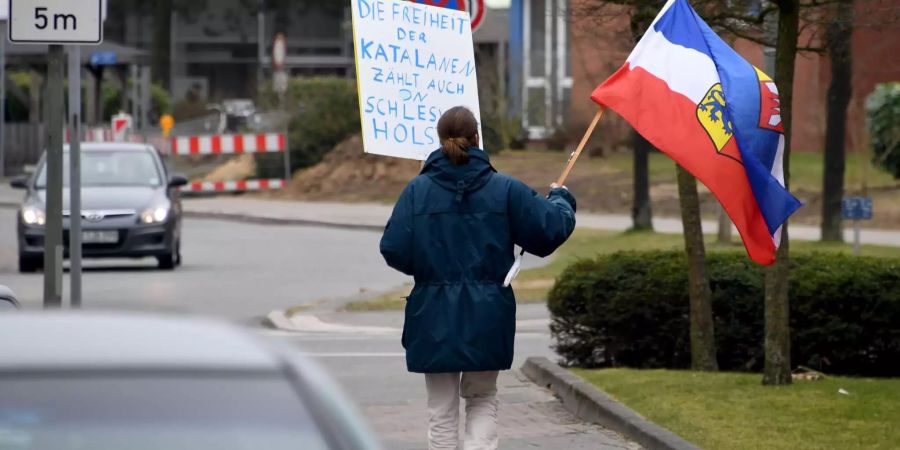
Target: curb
309, 323
593, 405
281, 221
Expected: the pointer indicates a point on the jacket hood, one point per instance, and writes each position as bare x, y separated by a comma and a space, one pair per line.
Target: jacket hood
459, 179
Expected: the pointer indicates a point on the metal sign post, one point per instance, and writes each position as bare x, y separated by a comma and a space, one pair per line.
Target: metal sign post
856, 209
3, 104
4, 18
75, 174
58, 23
280, 84
53, 249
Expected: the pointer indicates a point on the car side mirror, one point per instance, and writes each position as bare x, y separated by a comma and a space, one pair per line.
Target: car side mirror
177, 180
19, 182
8, 300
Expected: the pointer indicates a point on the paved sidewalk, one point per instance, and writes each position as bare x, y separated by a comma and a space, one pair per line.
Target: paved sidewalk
530, 417
363, 352
374, 216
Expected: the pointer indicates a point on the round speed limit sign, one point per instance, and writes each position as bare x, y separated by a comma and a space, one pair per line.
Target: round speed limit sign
475, 8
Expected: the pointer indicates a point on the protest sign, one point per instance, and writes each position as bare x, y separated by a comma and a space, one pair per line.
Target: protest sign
413, 62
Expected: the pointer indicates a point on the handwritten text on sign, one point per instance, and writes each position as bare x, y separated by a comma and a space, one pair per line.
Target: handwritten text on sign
413, 63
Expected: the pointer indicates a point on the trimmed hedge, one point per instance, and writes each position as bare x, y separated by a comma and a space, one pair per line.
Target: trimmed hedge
632, 310
324, 111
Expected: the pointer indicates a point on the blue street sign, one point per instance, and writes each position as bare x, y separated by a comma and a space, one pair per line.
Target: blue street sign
103, 58
857, 208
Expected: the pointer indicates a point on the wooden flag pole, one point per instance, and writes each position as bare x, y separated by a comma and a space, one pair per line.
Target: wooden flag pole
577, 152
517, 264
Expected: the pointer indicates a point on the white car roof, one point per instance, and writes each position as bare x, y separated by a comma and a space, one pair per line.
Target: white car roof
97, 341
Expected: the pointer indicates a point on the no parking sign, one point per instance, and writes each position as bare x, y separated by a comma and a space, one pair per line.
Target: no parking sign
475, 8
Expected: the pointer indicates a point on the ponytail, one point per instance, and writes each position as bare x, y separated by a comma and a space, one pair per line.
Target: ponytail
457, 149
458, 130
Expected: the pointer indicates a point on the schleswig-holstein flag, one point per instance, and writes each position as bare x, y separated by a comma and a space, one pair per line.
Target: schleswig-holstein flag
693, 97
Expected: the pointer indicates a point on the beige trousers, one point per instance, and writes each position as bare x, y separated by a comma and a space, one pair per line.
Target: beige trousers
480, 391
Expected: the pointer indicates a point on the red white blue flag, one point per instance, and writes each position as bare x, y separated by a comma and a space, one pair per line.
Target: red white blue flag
694, 98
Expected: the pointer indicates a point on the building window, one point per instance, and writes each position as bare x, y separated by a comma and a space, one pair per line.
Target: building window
536, 104
538, 36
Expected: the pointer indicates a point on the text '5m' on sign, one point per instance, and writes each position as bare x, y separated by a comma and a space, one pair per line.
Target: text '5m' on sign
56, 22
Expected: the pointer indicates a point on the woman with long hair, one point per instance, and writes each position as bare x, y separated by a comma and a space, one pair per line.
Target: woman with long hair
454, 229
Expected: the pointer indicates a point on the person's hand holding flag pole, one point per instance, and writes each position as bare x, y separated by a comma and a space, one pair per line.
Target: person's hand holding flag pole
560, 182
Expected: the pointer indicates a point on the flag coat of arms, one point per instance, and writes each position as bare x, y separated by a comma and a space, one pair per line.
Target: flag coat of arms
694, 98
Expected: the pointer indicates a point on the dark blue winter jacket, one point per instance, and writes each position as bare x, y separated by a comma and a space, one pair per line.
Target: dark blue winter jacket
453, 229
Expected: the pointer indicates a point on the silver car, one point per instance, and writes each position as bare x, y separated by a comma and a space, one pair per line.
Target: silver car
130, 206
111, 382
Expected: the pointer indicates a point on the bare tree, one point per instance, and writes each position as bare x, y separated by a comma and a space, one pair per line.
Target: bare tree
777, 341
840, 19
703, 339
838, 36
642, 15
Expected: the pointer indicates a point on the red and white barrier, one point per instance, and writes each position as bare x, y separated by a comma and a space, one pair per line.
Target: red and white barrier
234, 186
228, 143
92, 135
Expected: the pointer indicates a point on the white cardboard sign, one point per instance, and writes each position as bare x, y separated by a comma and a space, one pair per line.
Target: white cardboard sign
413, 63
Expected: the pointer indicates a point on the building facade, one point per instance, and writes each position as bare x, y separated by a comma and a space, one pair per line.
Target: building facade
540, 64
225, 46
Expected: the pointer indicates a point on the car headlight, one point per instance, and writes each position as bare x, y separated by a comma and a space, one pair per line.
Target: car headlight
155, 215
33, 216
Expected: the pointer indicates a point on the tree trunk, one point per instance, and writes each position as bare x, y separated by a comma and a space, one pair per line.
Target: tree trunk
641, 215
777, 370
839, 33
724, 232
703, 339
642, 16
162, 41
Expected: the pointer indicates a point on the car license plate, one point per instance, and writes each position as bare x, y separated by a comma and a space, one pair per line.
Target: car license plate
99, 237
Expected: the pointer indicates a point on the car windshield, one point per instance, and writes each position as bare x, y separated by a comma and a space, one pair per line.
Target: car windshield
138, 412
110, 168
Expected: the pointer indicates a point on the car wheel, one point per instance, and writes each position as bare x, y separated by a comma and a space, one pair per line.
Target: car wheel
167, 261
30, 264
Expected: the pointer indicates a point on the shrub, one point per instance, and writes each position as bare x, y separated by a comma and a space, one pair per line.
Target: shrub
492, 134
501, 132
883, 123
632, 309
160, 103
323, 111
558, 140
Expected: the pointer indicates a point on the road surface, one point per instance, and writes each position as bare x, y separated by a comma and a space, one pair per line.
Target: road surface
241, 272
231, 270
